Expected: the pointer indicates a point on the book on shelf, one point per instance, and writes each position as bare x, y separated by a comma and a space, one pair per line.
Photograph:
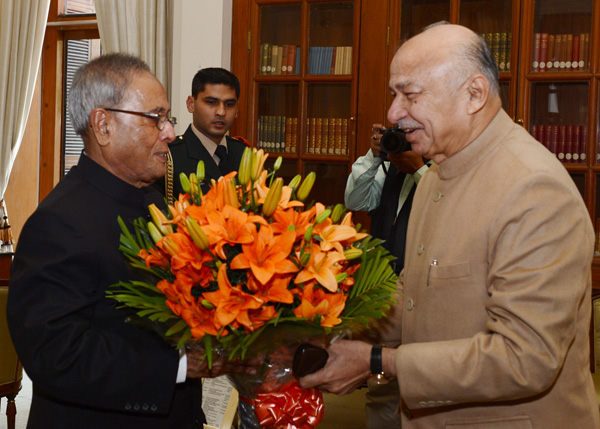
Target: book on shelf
557, 52
569, 53
508, 50
575, 53
535, 66
560, 143
550, 53
288, 135
325, 136
496, 48
338, 136
264, 57
502, 54
284, 59
294, 135
568, 147
318, 135
576, 143
344, 146
331, 137
543, 51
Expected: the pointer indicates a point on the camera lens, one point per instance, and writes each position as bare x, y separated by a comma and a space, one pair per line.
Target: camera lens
393, 140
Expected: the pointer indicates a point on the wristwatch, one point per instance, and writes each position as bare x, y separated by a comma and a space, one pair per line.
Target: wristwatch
377, 374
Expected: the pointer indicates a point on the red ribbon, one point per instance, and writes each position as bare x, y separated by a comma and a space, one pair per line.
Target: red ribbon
291, 408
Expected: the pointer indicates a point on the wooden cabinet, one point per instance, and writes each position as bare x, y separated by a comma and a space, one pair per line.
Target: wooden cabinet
299, 71
542, 88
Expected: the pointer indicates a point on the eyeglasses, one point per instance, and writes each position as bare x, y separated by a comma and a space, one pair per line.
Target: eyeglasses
160, 118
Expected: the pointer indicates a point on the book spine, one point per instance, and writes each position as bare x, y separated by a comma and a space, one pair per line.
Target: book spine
318, 135
338, 136
502, 56
535, 66
569, 53
344, 148
325, 136
332, 138
288, 135
508, 50
496, 48
551, 137
550, 53
575, 56
293, 149
557, 52
576, 143
260, 132
284, 59
264, 58
543, 51
563, 54
568, 143
560, 143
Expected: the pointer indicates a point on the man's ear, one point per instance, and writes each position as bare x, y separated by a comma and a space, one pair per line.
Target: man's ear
99, 124
479, 91
190, 103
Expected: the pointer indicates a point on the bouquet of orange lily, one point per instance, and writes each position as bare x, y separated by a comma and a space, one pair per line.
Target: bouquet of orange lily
249, 260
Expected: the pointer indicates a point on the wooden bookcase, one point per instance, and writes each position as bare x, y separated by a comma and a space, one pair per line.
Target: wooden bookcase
532, 96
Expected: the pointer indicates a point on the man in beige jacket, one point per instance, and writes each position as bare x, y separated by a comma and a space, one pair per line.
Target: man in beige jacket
494, 304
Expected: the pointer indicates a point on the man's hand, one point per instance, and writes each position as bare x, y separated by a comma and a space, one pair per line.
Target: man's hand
347, 368
375, 147
406, 162
197, 367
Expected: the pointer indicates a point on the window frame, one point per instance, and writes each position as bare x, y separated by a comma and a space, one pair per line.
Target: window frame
59, 29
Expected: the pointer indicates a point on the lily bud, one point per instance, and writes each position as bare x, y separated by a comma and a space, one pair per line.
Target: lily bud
197, 233
185, 182
258, 161
304, 259
160, 220
194, 184
272, 198
277, 164
322, 216
207, 304
306, 186
154, 232
245, 164
308, 234
338, 211
231, 195
170, 246
352, 253
200, 171
295, 182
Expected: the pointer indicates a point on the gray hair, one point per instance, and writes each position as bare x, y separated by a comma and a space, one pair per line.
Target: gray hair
475, 57
101, 83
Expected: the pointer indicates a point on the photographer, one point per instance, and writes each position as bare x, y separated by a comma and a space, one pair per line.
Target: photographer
385, 188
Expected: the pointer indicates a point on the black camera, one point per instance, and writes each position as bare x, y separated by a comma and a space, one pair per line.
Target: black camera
393, 140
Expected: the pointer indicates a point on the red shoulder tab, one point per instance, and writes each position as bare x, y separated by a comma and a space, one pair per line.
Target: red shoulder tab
243, 140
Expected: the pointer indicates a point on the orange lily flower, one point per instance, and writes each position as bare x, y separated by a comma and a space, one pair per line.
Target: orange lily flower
229, 226
276, 290
322, 267
314, 302
232, 304
267, 254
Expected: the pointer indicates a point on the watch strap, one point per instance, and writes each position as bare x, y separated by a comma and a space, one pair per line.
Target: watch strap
377, 359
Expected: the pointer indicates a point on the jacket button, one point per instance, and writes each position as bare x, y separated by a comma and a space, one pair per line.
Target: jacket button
437, 196
410, 304
420, 249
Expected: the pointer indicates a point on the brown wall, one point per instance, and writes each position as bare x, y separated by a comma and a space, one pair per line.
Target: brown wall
21, 196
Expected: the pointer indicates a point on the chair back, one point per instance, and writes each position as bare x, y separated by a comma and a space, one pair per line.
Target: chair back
11, 371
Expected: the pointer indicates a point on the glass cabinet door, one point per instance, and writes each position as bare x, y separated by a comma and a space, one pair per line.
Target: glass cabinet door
331, 38
418, 14
280, 36
278, 117
561, 36
559, 118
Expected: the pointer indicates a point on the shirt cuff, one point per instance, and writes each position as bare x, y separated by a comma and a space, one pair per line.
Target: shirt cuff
182, 371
